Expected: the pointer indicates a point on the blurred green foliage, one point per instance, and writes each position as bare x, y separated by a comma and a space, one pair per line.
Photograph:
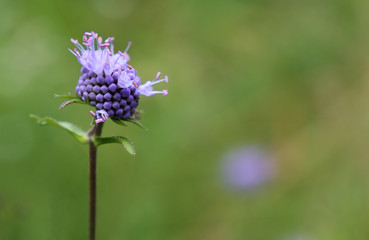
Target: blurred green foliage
288, 75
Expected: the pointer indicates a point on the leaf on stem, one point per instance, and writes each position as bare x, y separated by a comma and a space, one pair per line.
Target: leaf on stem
119, 122
75, 100
135, 122
65, 96
75, 131
131, 120
127, 144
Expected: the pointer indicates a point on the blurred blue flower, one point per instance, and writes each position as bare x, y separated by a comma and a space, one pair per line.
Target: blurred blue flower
247, 168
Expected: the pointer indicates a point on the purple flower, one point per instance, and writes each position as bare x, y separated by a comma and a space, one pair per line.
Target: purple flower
108, 82
247, 168
100, 115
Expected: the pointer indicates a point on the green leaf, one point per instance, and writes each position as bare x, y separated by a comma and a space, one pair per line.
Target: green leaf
131, 120
136, 122
127, 144
76, 100
119, 122
68, 97
75, 131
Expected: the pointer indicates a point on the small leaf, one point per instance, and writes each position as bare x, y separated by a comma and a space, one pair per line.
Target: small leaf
127, 144
136, 122
69, 97
119, 122
64, 104
75, 131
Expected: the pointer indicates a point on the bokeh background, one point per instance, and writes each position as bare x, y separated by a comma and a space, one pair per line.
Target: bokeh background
264, 133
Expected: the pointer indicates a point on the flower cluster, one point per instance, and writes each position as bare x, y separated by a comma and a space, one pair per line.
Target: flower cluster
107, 81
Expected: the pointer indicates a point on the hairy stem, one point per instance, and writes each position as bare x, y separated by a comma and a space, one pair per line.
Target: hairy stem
95, 131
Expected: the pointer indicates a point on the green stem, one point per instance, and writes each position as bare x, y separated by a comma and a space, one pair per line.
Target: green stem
95, 131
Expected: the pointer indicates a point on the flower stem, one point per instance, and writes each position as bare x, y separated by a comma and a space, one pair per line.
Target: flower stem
95, 131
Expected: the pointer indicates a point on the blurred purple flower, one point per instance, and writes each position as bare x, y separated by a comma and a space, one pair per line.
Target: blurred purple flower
247, 168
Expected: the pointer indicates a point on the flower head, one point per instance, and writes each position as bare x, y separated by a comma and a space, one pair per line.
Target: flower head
108, 82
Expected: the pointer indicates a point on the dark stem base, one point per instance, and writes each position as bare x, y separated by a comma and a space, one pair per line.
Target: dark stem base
95, 131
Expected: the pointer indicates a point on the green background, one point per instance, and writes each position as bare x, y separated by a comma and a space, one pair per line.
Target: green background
290, 76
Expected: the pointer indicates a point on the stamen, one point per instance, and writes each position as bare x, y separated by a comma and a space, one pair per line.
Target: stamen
80, 47
130, 68
109, 39
152, 93
135, 84
165, 79
147, 89
92, 113
70, 50
124, 55
76, 51
112, 48
94, 35
128, 46
85, 36
104, 45
74, 41
158, 75
107, 49
89, 41
102, 53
